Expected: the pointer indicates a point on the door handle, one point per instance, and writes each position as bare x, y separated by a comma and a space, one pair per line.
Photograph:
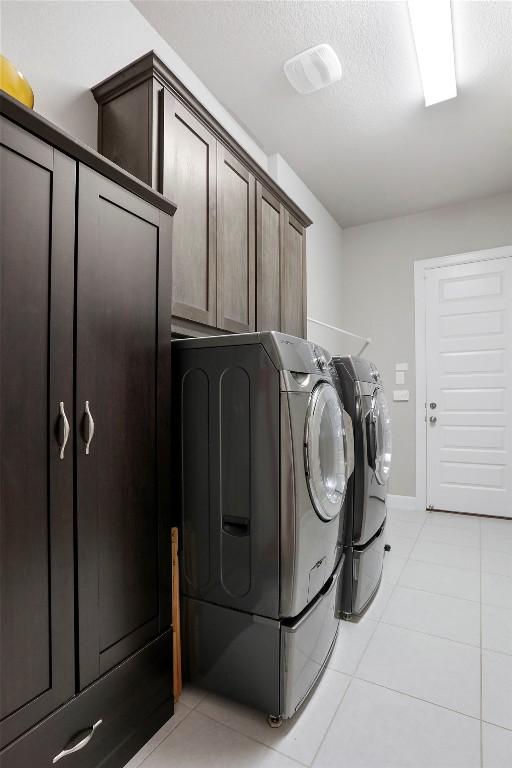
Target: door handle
78, 742
88, 427
433, 419
63, 429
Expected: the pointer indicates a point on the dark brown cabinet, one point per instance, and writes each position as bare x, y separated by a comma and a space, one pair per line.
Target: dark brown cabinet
154, 127
189, 174
36, 501
123, 381
269, 253
85, 451
293, 278
235, 244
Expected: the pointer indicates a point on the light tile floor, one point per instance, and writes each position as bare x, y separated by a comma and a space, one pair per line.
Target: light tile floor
424, 680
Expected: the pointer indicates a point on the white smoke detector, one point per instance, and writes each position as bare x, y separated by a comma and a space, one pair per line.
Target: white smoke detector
313, 69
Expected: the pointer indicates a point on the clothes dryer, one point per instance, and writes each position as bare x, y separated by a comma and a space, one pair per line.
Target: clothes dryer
260, 450
362, 534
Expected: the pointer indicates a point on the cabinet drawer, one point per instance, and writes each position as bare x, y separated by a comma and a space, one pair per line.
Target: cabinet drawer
123, 700
306, 645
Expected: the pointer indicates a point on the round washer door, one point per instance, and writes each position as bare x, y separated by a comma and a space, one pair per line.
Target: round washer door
325, 459
380, 437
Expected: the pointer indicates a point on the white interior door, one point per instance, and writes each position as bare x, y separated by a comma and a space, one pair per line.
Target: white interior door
469, 387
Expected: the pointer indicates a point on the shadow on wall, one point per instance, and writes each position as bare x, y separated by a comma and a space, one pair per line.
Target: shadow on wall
76, 109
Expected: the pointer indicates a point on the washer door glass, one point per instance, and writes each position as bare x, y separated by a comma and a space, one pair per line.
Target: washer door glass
326, 470
380, 437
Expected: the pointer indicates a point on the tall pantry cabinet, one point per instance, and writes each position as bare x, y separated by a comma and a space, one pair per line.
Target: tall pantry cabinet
85, 645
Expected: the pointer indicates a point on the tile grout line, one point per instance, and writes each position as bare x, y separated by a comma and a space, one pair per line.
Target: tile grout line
381, 621
251, 738
404, 586
438, 594
407, 558
430, 634
492, 650
495, 725
418, 698
139, 765
443, 565
376, 620
452, 544
331, 721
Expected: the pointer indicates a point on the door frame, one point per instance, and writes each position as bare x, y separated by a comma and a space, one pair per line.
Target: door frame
421, 267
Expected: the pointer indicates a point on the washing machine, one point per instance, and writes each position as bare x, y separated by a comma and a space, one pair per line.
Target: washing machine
362, 532
260, 481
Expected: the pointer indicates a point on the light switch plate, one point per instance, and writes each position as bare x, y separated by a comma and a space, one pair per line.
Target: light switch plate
401, 366
399, 377
401, 395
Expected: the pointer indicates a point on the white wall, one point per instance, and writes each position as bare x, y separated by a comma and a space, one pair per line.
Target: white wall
361, 278
378, 294
324, 240
64, 48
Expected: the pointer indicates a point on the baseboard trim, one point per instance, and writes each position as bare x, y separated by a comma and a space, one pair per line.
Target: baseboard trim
402, 502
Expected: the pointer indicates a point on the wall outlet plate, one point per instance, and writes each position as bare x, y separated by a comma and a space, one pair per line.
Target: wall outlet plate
401, 395
399, 377
401, 366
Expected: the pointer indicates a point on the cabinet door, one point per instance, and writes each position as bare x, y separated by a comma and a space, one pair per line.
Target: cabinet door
37, 186
269, 247
293, 278
235, 244
189, 177
123, 386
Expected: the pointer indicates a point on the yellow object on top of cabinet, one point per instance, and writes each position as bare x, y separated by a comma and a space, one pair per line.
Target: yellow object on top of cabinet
13, 83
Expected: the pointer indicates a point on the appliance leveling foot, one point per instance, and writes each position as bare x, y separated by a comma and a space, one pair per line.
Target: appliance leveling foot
275, 721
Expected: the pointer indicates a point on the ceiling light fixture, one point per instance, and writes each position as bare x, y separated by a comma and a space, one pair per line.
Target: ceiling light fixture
431, 22
313, 69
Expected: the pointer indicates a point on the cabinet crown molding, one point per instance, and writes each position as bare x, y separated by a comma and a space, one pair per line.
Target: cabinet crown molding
150, 66
34, 123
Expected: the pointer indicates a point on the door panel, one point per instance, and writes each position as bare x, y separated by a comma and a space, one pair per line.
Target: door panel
36, 489
235, 244
306, 644
469, 373
123, 366
293, 279
189, 177
269, 247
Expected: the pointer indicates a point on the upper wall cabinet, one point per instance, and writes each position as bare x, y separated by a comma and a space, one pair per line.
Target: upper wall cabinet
269, 253
236, 265
235, 244
293, 278
189, 172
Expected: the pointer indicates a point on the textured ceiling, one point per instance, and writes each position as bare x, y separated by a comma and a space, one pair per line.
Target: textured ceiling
366, 146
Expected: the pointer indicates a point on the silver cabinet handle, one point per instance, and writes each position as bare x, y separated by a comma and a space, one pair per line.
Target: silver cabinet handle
89, 427
63, 430
78, 742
